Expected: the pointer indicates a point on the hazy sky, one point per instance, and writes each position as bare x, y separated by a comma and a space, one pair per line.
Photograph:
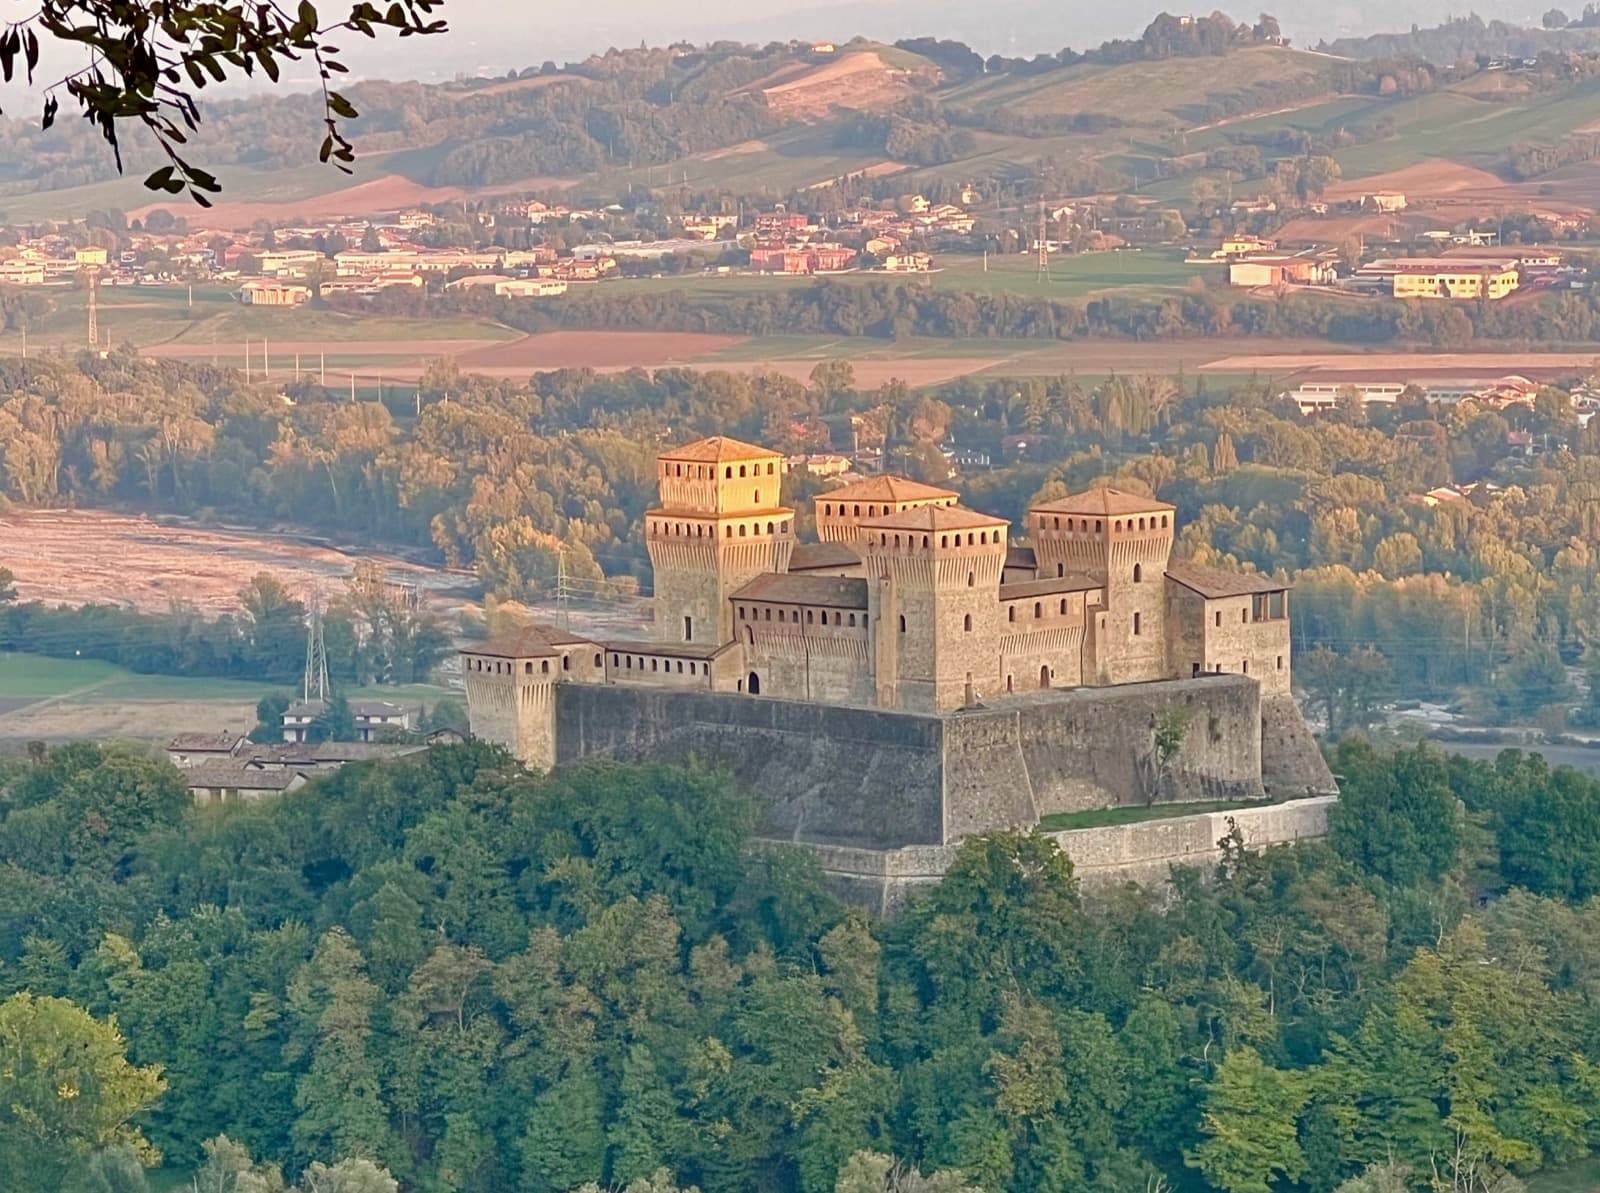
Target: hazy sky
492, 36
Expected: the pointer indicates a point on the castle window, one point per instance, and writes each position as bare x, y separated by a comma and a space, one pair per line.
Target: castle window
758, 497
1055, 523
972, 579
1038, 610
1163, 521
727, 532
1244, 666
1280, 662
566, 662
897, 540
1141, 523
924, 540
615, 662
783, 615
741, 471
1097, 525
527, 668
1011, 613
741, 612
630, 662
1118, 525
824, 617
853, 622
742, 529
902, 623
1063, 604
966, 623
783, 527
544, 666
653, 663
1219, 619
1138, 573
810, 618
599, 661
680, 666
688, 628
858, 510
692, 669
1138, 623
827, 511
768, 613
729, 475
1244, 615
1061, 569
770, 468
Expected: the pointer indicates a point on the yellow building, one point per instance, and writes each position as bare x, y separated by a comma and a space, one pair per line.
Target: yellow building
909, 602
1442, 278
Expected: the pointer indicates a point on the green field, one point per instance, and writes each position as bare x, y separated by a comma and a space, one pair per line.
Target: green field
34, 677
90, 681
1105, 817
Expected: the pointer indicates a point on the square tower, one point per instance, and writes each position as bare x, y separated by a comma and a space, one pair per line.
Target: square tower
840, 512
933, 576
719, 525
1123, 540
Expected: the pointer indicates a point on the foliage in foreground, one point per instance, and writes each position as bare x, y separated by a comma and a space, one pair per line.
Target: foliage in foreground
478, 979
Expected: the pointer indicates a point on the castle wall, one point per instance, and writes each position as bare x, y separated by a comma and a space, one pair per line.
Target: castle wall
883, 880
515, 711
1095, 748
1291, 763
820, 664
821, 774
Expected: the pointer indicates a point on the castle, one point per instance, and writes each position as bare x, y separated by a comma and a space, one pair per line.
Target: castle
917, 638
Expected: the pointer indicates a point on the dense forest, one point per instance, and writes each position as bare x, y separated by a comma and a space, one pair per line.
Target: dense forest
479, 979
1494, 594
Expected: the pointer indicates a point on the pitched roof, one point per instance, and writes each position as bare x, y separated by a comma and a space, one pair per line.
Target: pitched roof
717, 449
843, 592
232, 774
526, 642
1103, 501
1019, 557
1076, 582
807, 556
374, 708
886, 488
935, 517
225, 742
686, 650
1213, 583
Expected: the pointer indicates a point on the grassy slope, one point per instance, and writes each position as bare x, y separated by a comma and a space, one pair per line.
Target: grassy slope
35, 677
1103, 817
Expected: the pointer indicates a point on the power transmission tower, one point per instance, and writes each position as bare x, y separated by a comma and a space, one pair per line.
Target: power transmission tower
315, 685
1044, 247
563, 590
93, 274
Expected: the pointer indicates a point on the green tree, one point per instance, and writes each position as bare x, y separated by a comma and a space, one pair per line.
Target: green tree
1248, 1124
1396, 816
67, 1091
563, 1145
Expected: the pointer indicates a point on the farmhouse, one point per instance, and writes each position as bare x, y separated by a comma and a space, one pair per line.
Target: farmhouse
1279, 271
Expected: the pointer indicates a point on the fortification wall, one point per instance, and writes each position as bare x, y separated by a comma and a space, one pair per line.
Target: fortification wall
1070, 751
1291, 763
821, 773
1143, 853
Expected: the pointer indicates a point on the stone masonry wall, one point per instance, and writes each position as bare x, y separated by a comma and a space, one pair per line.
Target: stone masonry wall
1029, 756
847, 776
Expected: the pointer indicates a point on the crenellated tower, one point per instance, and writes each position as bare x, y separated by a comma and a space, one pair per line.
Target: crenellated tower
933, 576
719, 525
841, 512
1123, 540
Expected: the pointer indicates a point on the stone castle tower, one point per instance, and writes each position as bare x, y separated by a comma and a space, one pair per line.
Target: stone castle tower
1124, 541
932, 575
719, 526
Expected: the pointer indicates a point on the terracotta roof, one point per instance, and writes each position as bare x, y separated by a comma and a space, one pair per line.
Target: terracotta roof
684, 650
526, 642
1213, 583
1102, 501
886, 488
807, 556
1076, 582
843, 592
935, 517
278, 755
225, 742
718, 449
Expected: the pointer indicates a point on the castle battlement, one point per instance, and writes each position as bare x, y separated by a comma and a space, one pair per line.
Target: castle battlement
913, 604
